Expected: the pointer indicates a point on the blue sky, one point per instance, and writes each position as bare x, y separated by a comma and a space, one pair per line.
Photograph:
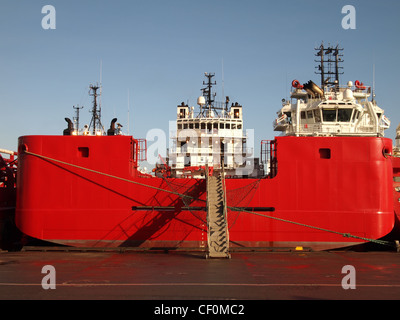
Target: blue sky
158, 51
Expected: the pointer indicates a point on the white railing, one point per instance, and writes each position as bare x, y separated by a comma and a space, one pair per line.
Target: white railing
334, 129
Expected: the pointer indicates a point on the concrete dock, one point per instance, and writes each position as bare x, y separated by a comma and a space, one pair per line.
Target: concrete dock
189, 276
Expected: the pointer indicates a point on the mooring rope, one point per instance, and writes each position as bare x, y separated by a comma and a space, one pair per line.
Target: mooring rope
347, 235
107, 175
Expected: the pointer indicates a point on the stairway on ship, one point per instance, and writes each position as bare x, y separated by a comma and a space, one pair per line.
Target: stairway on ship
218, 238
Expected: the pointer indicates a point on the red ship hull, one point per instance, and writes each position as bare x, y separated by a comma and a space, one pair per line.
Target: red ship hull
340, 184
396, 194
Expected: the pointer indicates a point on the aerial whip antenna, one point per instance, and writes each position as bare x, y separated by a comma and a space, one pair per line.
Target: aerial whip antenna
101, 76
223, 81
373, 82
128, 110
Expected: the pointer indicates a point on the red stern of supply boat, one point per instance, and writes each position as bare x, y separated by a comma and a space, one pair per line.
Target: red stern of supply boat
325, 183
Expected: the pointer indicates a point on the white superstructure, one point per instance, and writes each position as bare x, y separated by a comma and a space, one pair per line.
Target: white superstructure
331, 109
214, 136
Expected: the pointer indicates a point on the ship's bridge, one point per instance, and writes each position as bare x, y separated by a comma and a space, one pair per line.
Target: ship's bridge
333, 111
228, 124
214, 137
208, 138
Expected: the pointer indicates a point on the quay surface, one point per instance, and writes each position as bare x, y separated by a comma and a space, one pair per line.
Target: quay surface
295, 275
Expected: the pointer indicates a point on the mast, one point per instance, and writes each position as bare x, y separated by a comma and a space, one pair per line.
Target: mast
76, 118
96, 113
207, 93
209, 97
328, 68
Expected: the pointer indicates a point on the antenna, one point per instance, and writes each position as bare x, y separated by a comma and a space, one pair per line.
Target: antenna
223, 82
96, 113
207, 91
373, 82
128, 110
329, 60
76, 118
101, 69
101, 77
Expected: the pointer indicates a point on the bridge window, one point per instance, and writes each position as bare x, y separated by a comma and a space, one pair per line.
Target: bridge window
329, 115
344, 115
317, 115
289, 117
356, 115
182, 113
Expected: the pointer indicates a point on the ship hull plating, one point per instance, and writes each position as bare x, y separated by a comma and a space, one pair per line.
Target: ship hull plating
324, 188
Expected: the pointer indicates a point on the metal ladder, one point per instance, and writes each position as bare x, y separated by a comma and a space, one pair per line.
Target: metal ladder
218, 237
